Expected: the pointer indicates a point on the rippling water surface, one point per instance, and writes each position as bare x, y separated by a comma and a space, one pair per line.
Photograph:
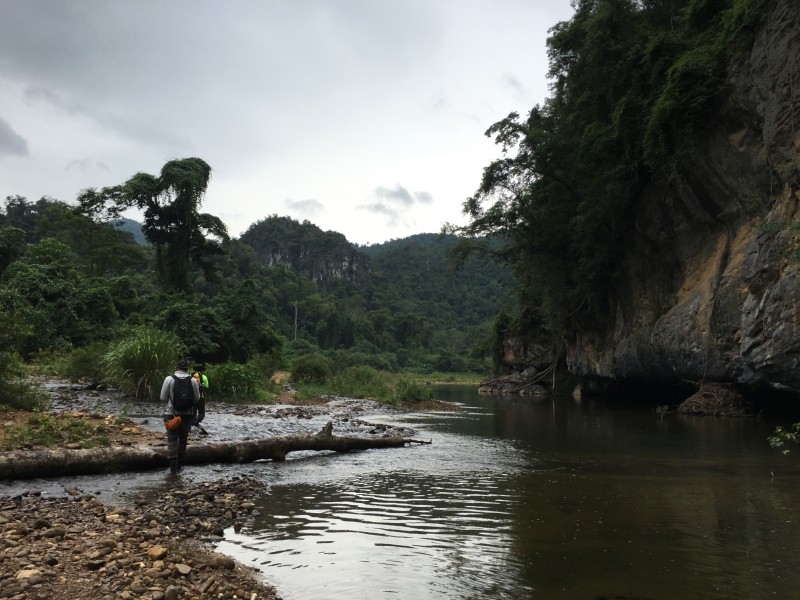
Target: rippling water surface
524, 499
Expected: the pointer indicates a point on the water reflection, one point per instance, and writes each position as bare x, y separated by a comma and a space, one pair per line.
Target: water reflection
520, 499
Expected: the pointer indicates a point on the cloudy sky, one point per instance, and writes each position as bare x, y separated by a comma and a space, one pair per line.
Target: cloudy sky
363, 116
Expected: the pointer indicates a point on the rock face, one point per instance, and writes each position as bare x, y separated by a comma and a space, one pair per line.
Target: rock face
707, 291
304, 247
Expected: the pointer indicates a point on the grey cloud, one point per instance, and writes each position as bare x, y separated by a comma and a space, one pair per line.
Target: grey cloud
382, 208
85, 164
514, 83
116, 64
11, 143
519, 89
440, 101
396, 203
400, 195
308, 207
35, 94
423, 197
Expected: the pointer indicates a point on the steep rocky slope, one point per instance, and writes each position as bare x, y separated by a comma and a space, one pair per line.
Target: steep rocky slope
707, 290
304, 247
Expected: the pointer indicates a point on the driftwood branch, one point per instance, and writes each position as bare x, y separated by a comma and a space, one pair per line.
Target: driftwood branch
29, 464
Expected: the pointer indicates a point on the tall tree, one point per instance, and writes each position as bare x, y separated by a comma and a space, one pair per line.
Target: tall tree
173, 224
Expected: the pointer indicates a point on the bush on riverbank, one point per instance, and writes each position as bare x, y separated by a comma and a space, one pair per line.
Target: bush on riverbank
16, 391
87, 364
311, 368
232, 382
320, 378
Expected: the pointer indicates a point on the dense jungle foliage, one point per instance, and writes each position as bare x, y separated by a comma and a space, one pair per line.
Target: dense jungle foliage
634, 86
74, 279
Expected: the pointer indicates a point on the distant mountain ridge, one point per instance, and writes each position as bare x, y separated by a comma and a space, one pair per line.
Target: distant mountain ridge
131, 226
424, 240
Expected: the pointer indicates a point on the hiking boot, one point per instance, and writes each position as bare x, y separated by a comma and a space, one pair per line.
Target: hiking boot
179, 463
173, 465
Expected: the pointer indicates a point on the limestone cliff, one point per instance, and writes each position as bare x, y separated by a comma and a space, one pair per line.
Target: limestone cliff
707, 290
302, 246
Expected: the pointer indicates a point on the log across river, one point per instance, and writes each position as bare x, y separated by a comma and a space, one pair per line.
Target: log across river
30, 464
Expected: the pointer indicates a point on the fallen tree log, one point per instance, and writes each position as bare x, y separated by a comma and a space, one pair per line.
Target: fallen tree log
29, 464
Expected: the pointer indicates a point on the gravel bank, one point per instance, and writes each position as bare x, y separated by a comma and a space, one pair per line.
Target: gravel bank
75, 546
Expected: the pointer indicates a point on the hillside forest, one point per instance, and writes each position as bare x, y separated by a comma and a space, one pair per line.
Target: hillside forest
76, 278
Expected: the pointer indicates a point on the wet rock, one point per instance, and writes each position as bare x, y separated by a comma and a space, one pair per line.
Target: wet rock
55, 532
28, 574
220, 561
71, 490
172, 593
157, 553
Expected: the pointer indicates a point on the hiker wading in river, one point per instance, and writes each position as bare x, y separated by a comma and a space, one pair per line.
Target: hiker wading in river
181, 393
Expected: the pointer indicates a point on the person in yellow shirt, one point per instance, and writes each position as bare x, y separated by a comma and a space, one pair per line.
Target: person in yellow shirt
200, 407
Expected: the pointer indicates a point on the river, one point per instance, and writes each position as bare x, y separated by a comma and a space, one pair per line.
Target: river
519, 498
515, 498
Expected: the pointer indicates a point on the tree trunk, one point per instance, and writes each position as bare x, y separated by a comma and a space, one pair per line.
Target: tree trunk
29, 464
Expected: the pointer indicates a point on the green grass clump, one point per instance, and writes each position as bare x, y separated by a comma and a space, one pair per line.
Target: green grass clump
407, 392
363, 382
139, 363
359, 382
446, 377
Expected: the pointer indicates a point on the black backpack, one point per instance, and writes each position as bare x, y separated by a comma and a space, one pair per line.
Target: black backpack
182, 393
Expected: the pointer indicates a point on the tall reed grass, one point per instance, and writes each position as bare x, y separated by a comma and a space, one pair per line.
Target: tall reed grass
139, 363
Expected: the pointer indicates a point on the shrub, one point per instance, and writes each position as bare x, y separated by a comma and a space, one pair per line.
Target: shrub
360, 382
49, 363
140, 362
406, 391
16, 390
311, 368
233, 381
266, 364
86, 364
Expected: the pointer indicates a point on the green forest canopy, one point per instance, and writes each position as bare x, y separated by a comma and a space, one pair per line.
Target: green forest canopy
71, 293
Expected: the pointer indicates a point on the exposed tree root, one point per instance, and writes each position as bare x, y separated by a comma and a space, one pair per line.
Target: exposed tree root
716, 399
29, 464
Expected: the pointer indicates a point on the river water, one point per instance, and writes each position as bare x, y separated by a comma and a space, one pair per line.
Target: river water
518, 498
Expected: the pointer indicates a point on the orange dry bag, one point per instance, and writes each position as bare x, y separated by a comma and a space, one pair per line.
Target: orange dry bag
173, 423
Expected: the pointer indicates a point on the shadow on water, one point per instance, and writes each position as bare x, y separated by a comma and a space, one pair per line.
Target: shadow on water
553, 499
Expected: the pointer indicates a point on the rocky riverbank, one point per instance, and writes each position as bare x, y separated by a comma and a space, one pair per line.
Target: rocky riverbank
58, 546
75, 546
